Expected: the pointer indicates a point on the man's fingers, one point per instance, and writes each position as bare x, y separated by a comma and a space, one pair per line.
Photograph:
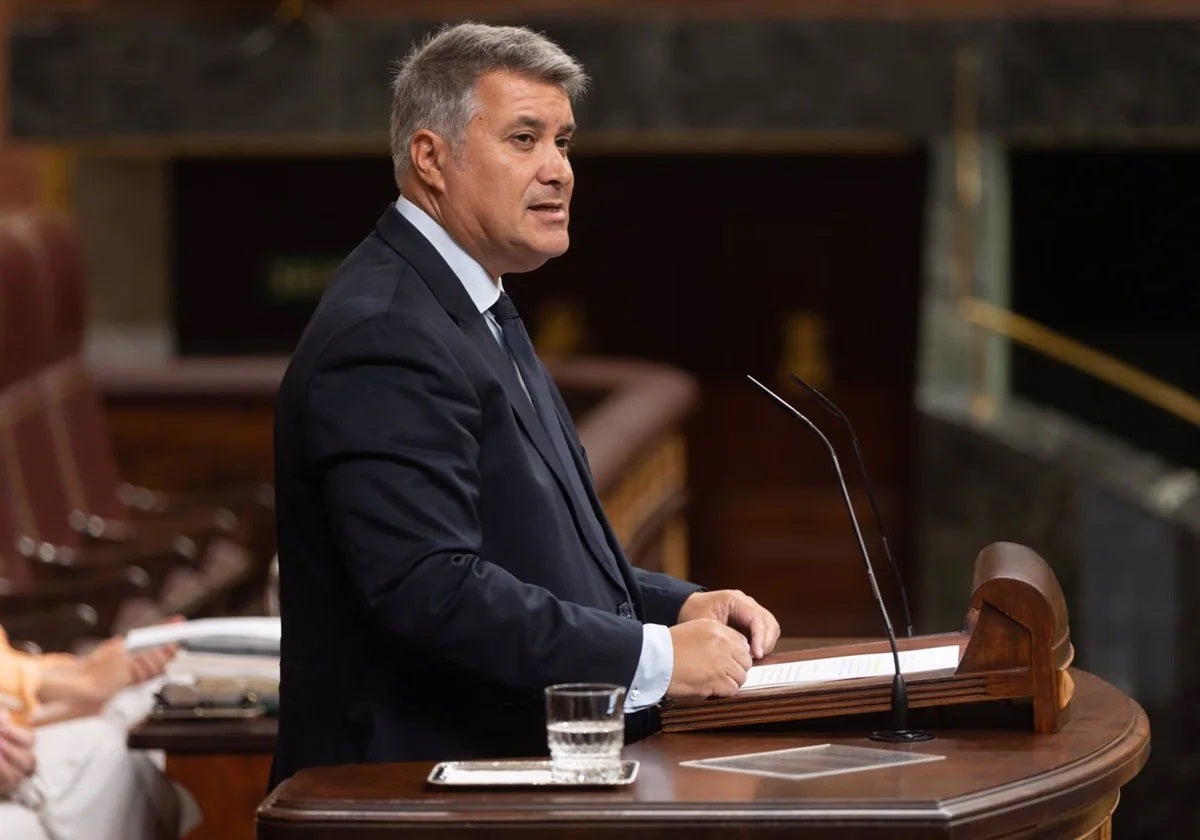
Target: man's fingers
765, 634
758, 636
736, 672
739, 645
757, 622
773, 635
724, 687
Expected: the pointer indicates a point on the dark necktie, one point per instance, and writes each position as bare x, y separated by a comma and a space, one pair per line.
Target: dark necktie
520, 348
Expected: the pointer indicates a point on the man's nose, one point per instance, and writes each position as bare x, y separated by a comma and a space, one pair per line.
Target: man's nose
556, 168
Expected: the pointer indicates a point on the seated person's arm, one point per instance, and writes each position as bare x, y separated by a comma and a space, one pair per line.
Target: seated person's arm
76, 686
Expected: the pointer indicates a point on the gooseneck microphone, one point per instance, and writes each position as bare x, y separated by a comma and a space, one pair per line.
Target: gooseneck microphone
900, 731
828, 405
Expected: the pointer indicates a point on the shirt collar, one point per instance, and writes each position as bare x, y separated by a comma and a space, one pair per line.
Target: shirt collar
482, 290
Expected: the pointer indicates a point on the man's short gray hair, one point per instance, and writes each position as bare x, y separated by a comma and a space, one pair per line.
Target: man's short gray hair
434, 85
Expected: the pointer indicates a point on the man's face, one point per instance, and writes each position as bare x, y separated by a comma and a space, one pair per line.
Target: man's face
508, 192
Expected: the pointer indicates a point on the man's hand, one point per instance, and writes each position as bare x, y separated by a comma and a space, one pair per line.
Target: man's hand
16, 754
738, 610
710, 659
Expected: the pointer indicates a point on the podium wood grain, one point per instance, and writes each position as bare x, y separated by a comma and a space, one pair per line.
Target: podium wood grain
992, 783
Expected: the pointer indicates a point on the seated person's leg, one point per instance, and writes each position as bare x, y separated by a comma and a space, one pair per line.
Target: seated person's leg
94, 787
20, 823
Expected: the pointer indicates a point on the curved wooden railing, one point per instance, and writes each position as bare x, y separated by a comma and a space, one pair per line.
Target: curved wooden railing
635, 444
198, 422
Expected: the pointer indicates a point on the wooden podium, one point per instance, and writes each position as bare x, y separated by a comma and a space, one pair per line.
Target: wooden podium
992, 782
1015, 645
1010, 761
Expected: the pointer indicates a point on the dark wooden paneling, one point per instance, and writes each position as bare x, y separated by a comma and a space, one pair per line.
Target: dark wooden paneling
694, 260
699, 261
193, 445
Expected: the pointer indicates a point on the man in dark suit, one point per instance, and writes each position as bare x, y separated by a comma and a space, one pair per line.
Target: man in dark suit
443, 554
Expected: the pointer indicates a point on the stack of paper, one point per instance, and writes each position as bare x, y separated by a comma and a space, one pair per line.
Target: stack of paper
255, 635
850, 667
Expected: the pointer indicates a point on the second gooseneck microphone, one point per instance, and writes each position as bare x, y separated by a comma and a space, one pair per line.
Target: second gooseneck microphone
828, 405
899, 731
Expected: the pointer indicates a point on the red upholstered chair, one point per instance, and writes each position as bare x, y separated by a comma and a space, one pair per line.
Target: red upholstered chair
66, 626
25, 308
38, 480
30, 586
189, 576
103, 506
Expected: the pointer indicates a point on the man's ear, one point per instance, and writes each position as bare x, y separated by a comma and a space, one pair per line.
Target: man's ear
428, 154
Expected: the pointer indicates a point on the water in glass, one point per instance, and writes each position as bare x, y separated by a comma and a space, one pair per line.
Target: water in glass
585, 730
586, 750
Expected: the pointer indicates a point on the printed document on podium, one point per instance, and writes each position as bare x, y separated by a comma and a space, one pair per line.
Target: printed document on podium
850, 667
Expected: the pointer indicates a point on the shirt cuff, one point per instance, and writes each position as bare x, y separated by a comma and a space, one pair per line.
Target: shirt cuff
654, 669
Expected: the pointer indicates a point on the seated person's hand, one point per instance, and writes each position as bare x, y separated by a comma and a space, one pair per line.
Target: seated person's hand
736, 609
16, 754
109, 667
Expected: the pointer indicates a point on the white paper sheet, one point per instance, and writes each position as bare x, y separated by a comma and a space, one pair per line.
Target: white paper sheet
463, 776
850, 667
254, 629
189, 666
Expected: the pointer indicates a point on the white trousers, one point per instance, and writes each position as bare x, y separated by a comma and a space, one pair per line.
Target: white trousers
89, 786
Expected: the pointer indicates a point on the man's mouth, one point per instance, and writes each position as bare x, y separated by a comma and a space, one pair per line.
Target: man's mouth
549, 209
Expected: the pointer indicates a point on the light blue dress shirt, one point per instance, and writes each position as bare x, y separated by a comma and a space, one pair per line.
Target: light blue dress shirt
654, 668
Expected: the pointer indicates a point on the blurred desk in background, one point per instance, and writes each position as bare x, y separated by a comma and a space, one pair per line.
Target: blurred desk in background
224, 764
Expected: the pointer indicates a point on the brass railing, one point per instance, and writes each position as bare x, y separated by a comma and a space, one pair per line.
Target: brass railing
997, 320
1081, 357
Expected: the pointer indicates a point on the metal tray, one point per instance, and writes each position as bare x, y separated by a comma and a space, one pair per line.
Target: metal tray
515, 773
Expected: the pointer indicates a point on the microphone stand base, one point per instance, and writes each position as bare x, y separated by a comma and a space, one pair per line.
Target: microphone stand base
901, 736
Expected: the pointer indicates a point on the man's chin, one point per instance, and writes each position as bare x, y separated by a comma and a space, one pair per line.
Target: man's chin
538, 255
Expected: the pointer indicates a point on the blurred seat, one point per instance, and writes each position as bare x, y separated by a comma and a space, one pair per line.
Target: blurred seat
62, 627
44, 558
103, 506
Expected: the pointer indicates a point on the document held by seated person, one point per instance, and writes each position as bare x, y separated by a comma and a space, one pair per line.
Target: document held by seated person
850, 667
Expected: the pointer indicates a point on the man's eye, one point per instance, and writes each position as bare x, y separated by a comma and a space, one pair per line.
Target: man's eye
563, 143
523, 138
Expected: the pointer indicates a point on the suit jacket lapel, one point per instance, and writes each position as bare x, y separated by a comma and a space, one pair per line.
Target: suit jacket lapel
477, 329
621, 572
449, 291
479, 333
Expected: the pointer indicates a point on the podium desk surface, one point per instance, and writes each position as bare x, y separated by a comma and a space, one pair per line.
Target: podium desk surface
991, 783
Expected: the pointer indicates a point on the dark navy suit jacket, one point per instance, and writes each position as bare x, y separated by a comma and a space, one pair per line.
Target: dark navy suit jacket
433, 578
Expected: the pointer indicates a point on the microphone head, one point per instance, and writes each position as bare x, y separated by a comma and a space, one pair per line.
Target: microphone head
825, 402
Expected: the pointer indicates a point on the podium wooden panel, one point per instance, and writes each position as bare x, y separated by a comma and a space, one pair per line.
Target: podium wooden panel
993, 782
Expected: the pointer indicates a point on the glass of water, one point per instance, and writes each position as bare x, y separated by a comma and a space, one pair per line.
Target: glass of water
585, 729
